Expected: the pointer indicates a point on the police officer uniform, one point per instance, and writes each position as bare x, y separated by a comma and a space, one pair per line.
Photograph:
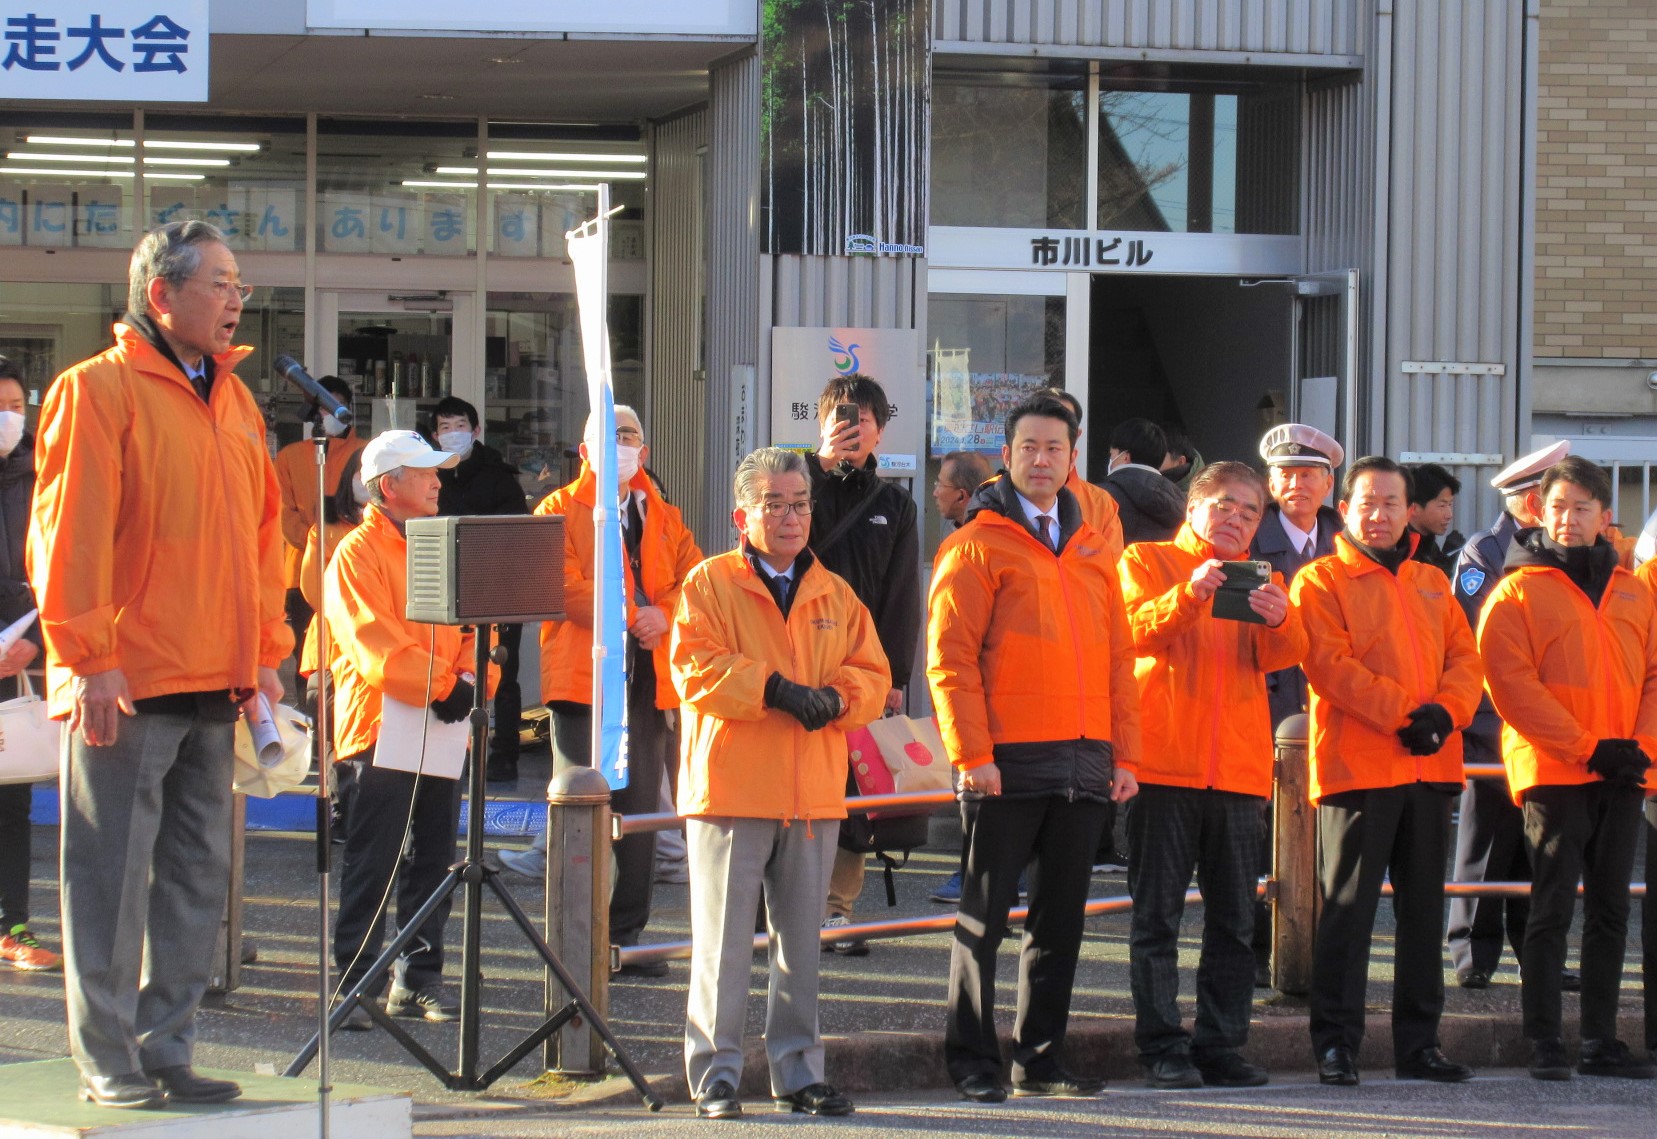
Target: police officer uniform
1289, 445
1490, 839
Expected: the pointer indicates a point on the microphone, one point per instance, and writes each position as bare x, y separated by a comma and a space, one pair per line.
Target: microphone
295, 374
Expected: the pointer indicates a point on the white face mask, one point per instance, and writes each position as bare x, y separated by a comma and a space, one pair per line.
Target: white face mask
359, 491
627, 463
332, 426
11, 430
457, 442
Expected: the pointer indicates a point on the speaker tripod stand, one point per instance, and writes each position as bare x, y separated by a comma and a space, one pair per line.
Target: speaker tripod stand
472, 874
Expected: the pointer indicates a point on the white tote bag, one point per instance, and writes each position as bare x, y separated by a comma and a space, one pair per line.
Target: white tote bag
29, 742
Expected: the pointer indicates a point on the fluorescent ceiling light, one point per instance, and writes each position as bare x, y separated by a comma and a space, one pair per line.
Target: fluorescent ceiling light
149, 143
514, 172
148, 161
60, 172
541, 156
424, 184
30, 156
70, 140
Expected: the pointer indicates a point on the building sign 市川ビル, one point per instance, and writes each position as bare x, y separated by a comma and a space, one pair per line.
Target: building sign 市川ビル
131, 51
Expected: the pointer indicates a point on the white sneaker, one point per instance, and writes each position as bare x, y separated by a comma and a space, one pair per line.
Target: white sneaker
529, 863
847, 947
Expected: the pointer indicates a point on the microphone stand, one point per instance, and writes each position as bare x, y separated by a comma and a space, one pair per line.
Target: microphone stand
324, 806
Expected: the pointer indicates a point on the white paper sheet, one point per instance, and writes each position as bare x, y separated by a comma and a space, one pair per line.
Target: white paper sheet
402, 727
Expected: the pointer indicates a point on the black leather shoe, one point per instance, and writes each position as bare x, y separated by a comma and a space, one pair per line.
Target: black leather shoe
132, 1089
1548, 1060
1570, 982
1474, 979
982, 1089
1174, 1070
1229, 1070
1337, 1068
182, 1085
1614, 1058
650, 969
815, 1099
1433, 1064
1058, 1082
719, 1102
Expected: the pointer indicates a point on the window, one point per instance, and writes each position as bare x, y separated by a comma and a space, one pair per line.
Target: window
396, 187
1009, 150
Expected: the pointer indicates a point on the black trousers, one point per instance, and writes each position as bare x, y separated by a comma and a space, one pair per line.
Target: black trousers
16, 851
509, 699
1174, 832
1490, 847
1648, 927
647, 750
1583, 832
378, 864
1364, 836
299, 614
1055, 838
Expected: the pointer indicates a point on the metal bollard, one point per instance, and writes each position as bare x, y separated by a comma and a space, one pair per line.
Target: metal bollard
1293, 889
578, 911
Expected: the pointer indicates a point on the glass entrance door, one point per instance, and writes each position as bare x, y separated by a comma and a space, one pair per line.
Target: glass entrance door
399, 352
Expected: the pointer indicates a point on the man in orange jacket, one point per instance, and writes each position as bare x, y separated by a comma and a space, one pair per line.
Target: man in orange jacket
1205, 776
1569, 640
399, 823
156, 554
1030, 663
660, 551
1647, 573
775, 659
1393, 673
296, 475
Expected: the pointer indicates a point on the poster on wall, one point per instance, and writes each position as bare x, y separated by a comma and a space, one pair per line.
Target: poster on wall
969, 409
844, 116
804, 360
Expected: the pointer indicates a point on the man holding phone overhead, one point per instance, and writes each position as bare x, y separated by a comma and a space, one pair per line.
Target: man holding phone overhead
864, 529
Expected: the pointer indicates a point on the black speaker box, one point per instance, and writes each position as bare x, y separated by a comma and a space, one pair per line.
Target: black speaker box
486, 569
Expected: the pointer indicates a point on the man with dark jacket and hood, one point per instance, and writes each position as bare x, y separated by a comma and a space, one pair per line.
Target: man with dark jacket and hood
482, 483
864, 529
1569, 642
1031, 666
1152, 508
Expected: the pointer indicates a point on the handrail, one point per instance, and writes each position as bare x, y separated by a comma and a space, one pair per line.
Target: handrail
942, 923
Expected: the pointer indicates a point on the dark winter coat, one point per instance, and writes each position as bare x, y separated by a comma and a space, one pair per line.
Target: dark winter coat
481, 483
1152, 508
17, 484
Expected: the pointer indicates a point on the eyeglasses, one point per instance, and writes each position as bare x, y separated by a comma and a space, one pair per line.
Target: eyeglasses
224, 289
1226, 507
784, 509
629, 435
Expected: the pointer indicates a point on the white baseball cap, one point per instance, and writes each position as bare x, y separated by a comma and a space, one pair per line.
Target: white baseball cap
389, 450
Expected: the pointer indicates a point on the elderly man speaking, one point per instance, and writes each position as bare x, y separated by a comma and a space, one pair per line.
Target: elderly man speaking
775, 659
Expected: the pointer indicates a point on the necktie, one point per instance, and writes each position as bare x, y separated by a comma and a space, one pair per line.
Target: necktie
1311, 550
1047, 534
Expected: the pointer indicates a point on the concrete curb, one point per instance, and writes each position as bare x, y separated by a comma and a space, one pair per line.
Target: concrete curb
907, 1061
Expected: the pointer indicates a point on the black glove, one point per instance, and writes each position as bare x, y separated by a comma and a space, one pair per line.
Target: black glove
1619, 761
456, 706
1428, 730
813, 707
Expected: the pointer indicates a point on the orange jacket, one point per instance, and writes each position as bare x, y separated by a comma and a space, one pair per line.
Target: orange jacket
1564, 675
1202, 679
296, 475
667, 552
310, 582
1378, 647
154, 541
1025, 646
738, 757
1099, 510
377, 651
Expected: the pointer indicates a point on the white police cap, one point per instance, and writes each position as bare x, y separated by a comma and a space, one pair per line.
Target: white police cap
1526, 471
1297, 445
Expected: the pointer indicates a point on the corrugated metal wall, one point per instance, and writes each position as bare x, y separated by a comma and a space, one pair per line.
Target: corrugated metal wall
1321, 27
676, 418
1454, 234
1338, 175
733, 290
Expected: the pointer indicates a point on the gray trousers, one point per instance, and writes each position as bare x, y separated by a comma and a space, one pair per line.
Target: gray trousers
146, 866
730, 861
